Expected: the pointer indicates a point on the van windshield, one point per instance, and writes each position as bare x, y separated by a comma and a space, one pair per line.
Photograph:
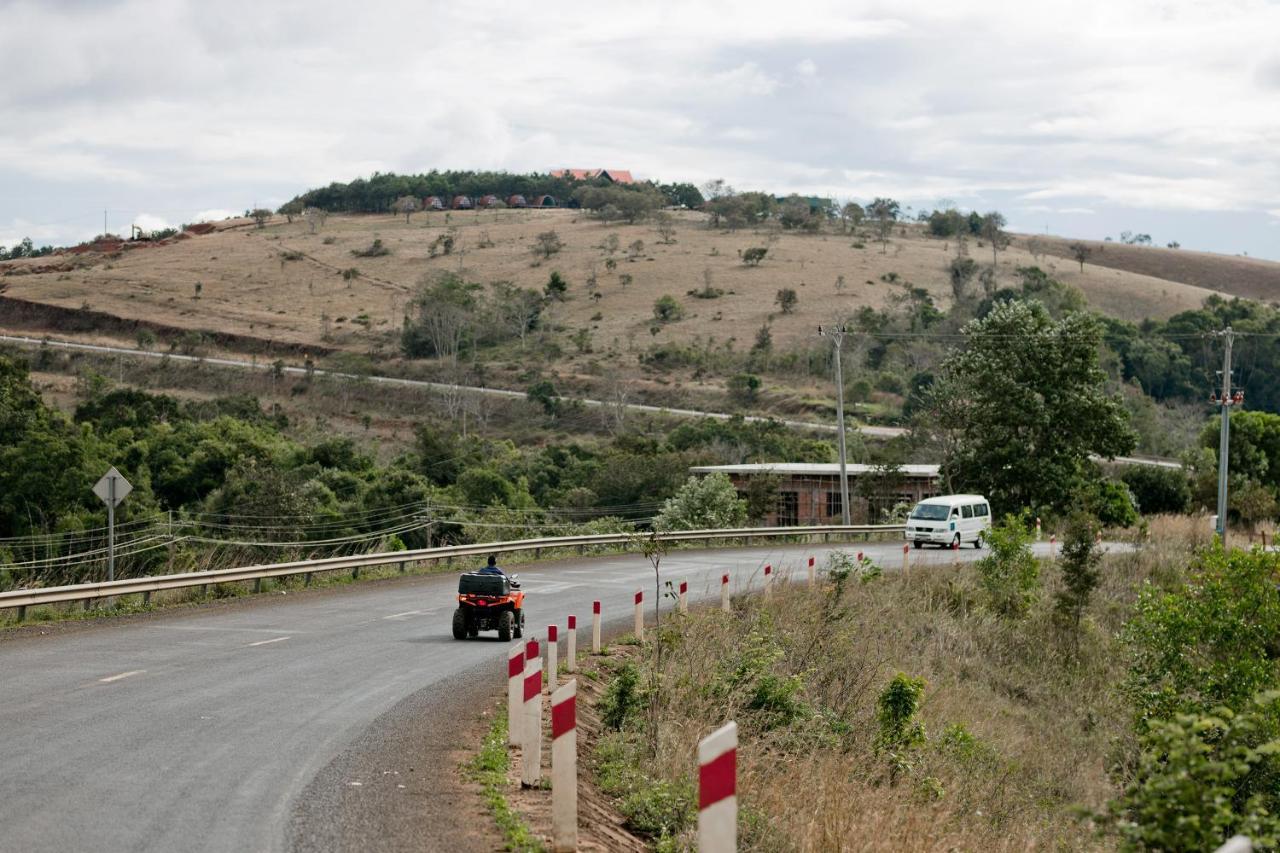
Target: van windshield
931, 512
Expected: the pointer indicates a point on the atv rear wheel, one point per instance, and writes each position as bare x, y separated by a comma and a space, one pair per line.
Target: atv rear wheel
506, 624
519, 631
459, 624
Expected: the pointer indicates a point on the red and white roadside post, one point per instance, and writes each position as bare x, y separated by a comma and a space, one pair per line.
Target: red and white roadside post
595, 627
684, 596
571, 663
768, 579
564, 768
1053, 541
515, 692
906, 558
724, 592
639, 628
1037, 528
531, 749
813, 573
531, 653
553, 655
718, 791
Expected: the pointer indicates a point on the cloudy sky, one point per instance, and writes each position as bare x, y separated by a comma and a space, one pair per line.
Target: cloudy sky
1085, 118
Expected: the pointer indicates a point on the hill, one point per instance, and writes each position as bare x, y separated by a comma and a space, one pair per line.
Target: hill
283, 285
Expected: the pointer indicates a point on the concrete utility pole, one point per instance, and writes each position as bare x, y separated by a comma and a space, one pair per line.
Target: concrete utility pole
836, 334
1224, 431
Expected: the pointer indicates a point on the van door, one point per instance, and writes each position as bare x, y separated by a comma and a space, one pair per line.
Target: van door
967, 528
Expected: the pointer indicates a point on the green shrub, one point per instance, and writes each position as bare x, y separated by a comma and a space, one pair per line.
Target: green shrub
1157, 490
1113, 505
666, 309
621, 701
896, 710
1214, 641
1010, 575
1080, 560
1202, 778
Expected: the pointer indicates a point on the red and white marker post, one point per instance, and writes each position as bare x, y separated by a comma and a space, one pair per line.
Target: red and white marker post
684, 596
718, 791
724, 592
515, 692
639, 628
1037, 528
768, 579
531, 749
813, 573
906, 558
564, 768
1053, 541
571, 664
595, 627
553, 655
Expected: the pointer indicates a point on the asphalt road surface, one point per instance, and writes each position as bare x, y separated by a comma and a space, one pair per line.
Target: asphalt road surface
199, 729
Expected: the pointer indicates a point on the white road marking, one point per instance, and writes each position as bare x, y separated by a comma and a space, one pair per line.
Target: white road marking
558, 586
266, 642
406, 613
112, 678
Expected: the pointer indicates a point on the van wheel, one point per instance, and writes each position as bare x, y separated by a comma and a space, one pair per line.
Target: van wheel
956, 543
459, 624
917, 544
506, 624
977, 541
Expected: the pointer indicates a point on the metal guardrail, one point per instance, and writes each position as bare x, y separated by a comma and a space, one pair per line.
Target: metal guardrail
87, 592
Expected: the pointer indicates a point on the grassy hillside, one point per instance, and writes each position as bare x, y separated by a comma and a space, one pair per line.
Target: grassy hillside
283, 284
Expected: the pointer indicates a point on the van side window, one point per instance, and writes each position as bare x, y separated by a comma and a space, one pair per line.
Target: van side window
967, 511
984, 510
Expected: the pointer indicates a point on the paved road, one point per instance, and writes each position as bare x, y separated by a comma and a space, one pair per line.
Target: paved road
24, 341
198, 729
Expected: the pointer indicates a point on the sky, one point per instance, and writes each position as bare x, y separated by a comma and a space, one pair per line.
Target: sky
1084, 118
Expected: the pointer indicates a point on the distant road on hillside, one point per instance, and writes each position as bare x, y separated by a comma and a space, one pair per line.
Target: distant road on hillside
21, 340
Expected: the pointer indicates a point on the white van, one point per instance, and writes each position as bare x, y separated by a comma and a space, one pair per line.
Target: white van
948, 520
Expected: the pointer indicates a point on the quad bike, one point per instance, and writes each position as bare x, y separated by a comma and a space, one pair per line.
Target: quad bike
489, 603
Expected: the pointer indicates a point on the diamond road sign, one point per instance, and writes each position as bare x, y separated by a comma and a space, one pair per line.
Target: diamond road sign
112, 497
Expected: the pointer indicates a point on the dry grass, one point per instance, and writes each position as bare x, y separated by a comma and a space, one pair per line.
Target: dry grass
249, 286
1043, 712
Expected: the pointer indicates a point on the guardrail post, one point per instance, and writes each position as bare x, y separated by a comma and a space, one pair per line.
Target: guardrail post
306, 579
553, 655
204, 589
355, 573
571, 640
537, 553
257, 585
531, 749
1053, 540
595, 627
22, 612
88, 605
564, 769
718, 791
813, 574
146, 598
402, 567
515, 693
639, 631
724, 592
684, 596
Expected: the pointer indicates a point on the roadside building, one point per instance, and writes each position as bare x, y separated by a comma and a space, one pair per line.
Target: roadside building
462, 202
809, 493
432, 202
517, 201
613, 176
544, 201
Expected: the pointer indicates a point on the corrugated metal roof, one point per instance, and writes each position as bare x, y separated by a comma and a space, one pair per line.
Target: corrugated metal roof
813, 469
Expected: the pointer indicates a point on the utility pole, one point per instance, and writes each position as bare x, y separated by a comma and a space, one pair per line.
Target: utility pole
836, 334
1224, 431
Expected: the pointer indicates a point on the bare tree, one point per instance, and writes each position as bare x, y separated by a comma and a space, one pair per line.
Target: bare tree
666, 225
315, 218
1036, 247
406, 204
547, 244
1081, 253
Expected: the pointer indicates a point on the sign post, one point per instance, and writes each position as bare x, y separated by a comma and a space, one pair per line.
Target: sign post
111, 490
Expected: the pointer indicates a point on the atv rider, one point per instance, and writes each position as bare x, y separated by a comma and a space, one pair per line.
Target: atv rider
492, 568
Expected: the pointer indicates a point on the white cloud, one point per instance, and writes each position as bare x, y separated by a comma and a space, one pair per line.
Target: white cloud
807, 68
148, 222
214, 215
746, 79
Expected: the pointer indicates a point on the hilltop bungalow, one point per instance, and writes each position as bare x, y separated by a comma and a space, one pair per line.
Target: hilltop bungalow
488, 201
517, 201
432, 202
613, 176
462, 202
809, 493
544, 201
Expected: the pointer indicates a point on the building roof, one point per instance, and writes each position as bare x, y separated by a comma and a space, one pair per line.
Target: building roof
814, 469
618, 176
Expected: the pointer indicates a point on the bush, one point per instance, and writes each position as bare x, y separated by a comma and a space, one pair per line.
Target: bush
666, 309
373, 250
703, 502
1157, 490
556, 287
1202, 778
622, 702
786, 300
1112, 504
753, 256
1010, 575
1080, 559
1211, 642
744, 388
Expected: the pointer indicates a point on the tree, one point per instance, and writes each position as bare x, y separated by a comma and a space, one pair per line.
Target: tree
753, 256
441, 319
556, 287
666, 225
993, 230
1080, 576
666, 309
518, 309
884, 212
1009, 575
291, 209
407, 205
744, 388
1158, 489
547, 244
315, 218
1080, 252
961, 271
703, 502
260, 216
786, 300
1022, 406
851, 216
